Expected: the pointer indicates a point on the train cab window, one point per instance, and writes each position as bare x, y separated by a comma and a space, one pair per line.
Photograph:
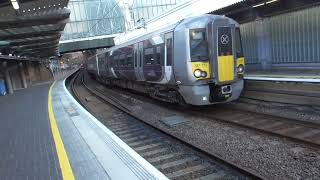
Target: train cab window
148, 56
239, 49
198, 45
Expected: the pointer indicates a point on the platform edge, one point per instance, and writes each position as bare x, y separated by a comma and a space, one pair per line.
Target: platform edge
151, 169
66, 170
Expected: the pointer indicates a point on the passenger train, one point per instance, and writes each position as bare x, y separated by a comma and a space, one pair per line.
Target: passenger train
198, 61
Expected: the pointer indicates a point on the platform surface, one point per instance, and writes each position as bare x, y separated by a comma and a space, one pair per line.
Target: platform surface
94, 152
294, 75
46, 134
27, 150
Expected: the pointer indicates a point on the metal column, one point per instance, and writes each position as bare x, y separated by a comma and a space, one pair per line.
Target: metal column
23, 76
7, 78
263, 44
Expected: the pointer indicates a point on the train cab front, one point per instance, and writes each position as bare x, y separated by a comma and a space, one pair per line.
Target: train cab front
217, 63
227, 62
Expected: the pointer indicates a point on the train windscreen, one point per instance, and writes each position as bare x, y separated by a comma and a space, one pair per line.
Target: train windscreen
198, 45
239, 49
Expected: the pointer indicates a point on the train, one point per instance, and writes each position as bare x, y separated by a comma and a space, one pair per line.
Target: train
196, 61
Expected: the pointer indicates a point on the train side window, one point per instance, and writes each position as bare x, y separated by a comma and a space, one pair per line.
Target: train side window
129, 60
149, 56
239, 49
101, 60
116, 61
129, 56
169, 51
159, 55
122, 60
111, 61
135, 59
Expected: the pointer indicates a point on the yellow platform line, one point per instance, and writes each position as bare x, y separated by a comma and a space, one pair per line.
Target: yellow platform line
65, 167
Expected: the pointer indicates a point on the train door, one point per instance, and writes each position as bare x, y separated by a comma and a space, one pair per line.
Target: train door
139, 68
136, 60
220, 38
106, 64
168, 57
97, 64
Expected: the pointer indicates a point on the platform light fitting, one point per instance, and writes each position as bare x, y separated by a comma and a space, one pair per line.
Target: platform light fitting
15, 4
261, 4
258, 5
271, 1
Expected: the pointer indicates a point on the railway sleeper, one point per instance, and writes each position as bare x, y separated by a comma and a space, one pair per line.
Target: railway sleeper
191, 172
149, 148
179, 164
165, 158
127, 134
138, 138
156, 152
129, 131
145, 141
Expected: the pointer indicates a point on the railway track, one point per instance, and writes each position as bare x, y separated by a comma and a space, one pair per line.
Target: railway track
176, 159
301, 131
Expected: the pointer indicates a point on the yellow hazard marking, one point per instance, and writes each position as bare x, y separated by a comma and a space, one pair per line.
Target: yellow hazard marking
66, 170
226, 68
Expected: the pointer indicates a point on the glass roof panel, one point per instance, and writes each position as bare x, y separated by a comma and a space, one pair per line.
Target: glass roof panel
91, 18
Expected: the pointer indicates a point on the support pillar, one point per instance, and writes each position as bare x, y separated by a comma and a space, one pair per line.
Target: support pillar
7, 78
263, 44
22, 75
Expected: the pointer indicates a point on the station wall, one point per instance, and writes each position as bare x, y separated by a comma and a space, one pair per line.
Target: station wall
20, 75
287, 39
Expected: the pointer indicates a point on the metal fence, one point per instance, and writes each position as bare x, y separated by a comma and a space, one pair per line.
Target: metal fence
288, 38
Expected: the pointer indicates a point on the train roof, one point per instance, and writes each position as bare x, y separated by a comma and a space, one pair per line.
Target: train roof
143, 36
150, 34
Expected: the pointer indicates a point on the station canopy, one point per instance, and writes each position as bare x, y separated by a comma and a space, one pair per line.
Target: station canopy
32, 28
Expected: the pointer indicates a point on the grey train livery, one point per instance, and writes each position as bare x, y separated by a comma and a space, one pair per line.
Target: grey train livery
197, 61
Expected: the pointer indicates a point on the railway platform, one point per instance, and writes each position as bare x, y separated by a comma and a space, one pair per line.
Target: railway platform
46, 134
294, 75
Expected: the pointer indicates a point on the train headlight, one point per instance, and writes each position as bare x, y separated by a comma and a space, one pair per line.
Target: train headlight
197, 73
204, 74
240, 68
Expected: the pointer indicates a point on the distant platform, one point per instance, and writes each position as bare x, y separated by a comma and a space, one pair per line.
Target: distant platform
46, 134
312, 76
